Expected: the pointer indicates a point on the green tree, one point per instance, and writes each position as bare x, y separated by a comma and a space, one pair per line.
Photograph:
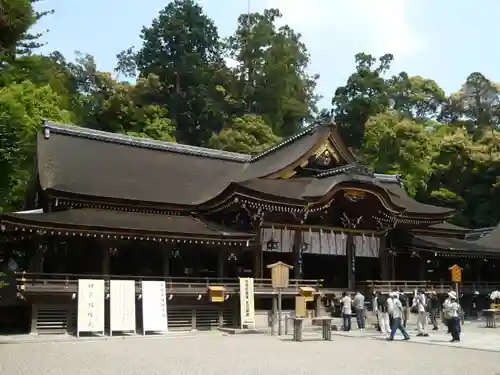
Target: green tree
16, 18
272, 73
365, 94
417, 97
394, 144
247, 134
119, 107
182, 48
23, 107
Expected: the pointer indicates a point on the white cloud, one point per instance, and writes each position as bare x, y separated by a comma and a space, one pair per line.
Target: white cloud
372, 26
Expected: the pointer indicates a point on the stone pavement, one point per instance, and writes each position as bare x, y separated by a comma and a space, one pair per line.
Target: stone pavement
475, 336
216, 353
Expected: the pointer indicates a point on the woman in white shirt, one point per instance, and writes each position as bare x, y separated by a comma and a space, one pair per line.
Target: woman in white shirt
346, 303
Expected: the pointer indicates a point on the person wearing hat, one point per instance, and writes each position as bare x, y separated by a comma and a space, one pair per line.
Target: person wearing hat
452, 312
397, 317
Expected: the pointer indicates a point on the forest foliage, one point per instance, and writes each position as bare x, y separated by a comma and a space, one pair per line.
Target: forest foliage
184, 89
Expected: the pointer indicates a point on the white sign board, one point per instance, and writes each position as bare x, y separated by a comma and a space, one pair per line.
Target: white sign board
90, 306
247, 303
154, 306
122, 305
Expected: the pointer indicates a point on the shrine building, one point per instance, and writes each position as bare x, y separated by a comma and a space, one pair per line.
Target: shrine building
115, 206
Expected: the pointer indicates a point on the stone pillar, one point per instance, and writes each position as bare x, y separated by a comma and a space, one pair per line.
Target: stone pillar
351, 261
383, 258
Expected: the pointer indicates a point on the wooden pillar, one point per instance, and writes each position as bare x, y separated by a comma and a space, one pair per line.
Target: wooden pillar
36, 264
106, 258
422, 268
351, 261
383, 258
221, 260
167, 252
297, 241
258, 271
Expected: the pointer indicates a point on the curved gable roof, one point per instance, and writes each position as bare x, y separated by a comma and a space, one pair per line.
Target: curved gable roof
96, 164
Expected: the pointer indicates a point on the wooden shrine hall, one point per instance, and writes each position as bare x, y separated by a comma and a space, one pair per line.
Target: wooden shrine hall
114, 206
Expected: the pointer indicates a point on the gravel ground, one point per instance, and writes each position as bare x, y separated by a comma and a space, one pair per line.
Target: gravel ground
209, 354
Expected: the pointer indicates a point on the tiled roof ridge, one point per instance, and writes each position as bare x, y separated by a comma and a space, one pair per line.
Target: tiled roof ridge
104, 136
306, 130
394, 178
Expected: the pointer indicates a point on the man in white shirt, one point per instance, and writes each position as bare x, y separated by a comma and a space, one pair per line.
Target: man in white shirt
390, 307
359, 307
383, 315
420, 303
346, 303
397, 315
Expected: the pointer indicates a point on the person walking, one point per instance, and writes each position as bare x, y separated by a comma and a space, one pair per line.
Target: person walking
359, 308
434, 309
420, 303
452, 311
346, 303
383, 314
397, 316
375, 309
390, 306
403, 298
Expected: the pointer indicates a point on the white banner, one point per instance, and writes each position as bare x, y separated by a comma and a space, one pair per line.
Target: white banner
122, 305
90, 306
154, 306
247, 303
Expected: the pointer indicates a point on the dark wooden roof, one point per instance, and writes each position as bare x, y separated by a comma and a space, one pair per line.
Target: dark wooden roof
492, 239
442, 230
449, 227
97, 164
123, 223
448, 244
310, 189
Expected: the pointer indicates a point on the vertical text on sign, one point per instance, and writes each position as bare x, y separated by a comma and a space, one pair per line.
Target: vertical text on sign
122, 305
90, 306
154, 306
247, 302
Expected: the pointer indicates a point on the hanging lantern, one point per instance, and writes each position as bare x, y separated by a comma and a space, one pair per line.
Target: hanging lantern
272, 244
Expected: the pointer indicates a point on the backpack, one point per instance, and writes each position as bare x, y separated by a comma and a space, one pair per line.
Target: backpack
382, 304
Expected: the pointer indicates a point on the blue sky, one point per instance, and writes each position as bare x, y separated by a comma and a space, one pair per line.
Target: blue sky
441, 39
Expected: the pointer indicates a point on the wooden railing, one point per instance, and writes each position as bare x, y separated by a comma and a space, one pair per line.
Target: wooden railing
68, 283
439, 287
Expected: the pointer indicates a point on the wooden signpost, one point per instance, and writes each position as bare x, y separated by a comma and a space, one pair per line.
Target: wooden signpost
280, 274
456, 273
